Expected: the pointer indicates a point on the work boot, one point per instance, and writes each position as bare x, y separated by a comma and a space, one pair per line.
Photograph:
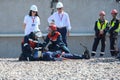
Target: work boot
86, 54
93, 53
118, 57
112, 53
116, 53
102, 54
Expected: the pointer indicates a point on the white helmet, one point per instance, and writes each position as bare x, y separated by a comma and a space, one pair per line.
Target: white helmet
34, 8
59, 5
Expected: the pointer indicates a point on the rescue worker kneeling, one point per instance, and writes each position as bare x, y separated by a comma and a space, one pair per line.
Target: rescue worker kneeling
56, 40
30, 45
32, 49
57, 46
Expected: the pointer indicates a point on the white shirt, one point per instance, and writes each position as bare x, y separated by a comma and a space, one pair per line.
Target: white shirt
61, 20
32, 24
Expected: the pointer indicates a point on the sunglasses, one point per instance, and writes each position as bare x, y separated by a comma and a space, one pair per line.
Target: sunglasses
59, 8
34, 11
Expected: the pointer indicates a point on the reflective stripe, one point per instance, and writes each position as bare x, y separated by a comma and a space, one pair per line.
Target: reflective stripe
36, 48
30, 40
102, 52
33, 40
25, 44
103, 26
112, 50
93, 52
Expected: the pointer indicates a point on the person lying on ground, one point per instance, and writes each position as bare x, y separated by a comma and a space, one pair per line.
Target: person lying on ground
32, 50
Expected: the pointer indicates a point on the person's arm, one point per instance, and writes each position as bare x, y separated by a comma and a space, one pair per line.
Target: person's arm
38, 20
50, 19
24, 25
107, 28
46, 41
60, 41
25, 21
68, 25
96, 28
115, 26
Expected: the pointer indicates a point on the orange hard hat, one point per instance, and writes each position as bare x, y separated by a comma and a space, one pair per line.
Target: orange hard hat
114, 11
102, 13
53, 27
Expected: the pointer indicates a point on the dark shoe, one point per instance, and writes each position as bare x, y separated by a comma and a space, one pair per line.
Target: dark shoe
93, 54
86, 54
112, 54
101, 55
118, 57
115, 53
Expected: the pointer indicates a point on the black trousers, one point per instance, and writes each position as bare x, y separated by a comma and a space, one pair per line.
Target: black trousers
63, 32
113, 42
96, 42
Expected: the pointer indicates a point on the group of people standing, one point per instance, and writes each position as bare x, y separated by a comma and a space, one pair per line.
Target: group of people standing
59, 28
102, 26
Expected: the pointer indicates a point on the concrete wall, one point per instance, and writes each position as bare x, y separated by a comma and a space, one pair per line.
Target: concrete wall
83, 14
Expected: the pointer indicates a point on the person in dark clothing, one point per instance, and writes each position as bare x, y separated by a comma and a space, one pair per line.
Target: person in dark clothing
101, 28
32, 50
56, 40
113, 31
58, 45
30, 44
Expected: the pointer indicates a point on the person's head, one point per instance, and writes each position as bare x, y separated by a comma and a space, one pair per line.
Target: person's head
102, 15
114, 13
33, 11
59, 7
52, 28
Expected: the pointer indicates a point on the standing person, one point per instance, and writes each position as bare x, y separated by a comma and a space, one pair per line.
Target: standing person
114, 29
62, 21
101, 27
31, 21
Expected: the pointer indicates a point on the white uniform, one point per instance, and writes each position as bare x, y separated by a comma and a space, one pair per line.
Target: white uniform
32, 24
61, 20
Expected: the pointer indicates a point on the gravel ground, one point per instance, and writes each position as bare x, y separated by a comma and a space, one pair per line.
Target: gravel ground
93, 69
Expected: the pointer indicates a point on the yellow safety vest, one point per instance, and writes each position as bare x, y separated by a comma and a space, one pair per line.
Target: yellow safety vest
112, 25
103, 26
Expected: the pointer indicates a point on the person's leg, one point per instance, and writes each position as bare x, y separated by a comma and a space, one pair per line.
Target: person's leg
95, 44
72, 56
102, 46
53, 47
113, 44
48, 56
65, 49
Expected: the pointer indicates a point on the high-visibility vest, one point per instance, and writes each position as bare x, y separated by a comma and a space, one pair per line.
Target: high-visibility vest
113, 24
102, 27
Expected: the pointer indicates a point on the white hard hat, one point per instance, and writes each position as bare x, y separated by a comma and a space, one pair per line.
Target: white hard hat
34, 8
59, 5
